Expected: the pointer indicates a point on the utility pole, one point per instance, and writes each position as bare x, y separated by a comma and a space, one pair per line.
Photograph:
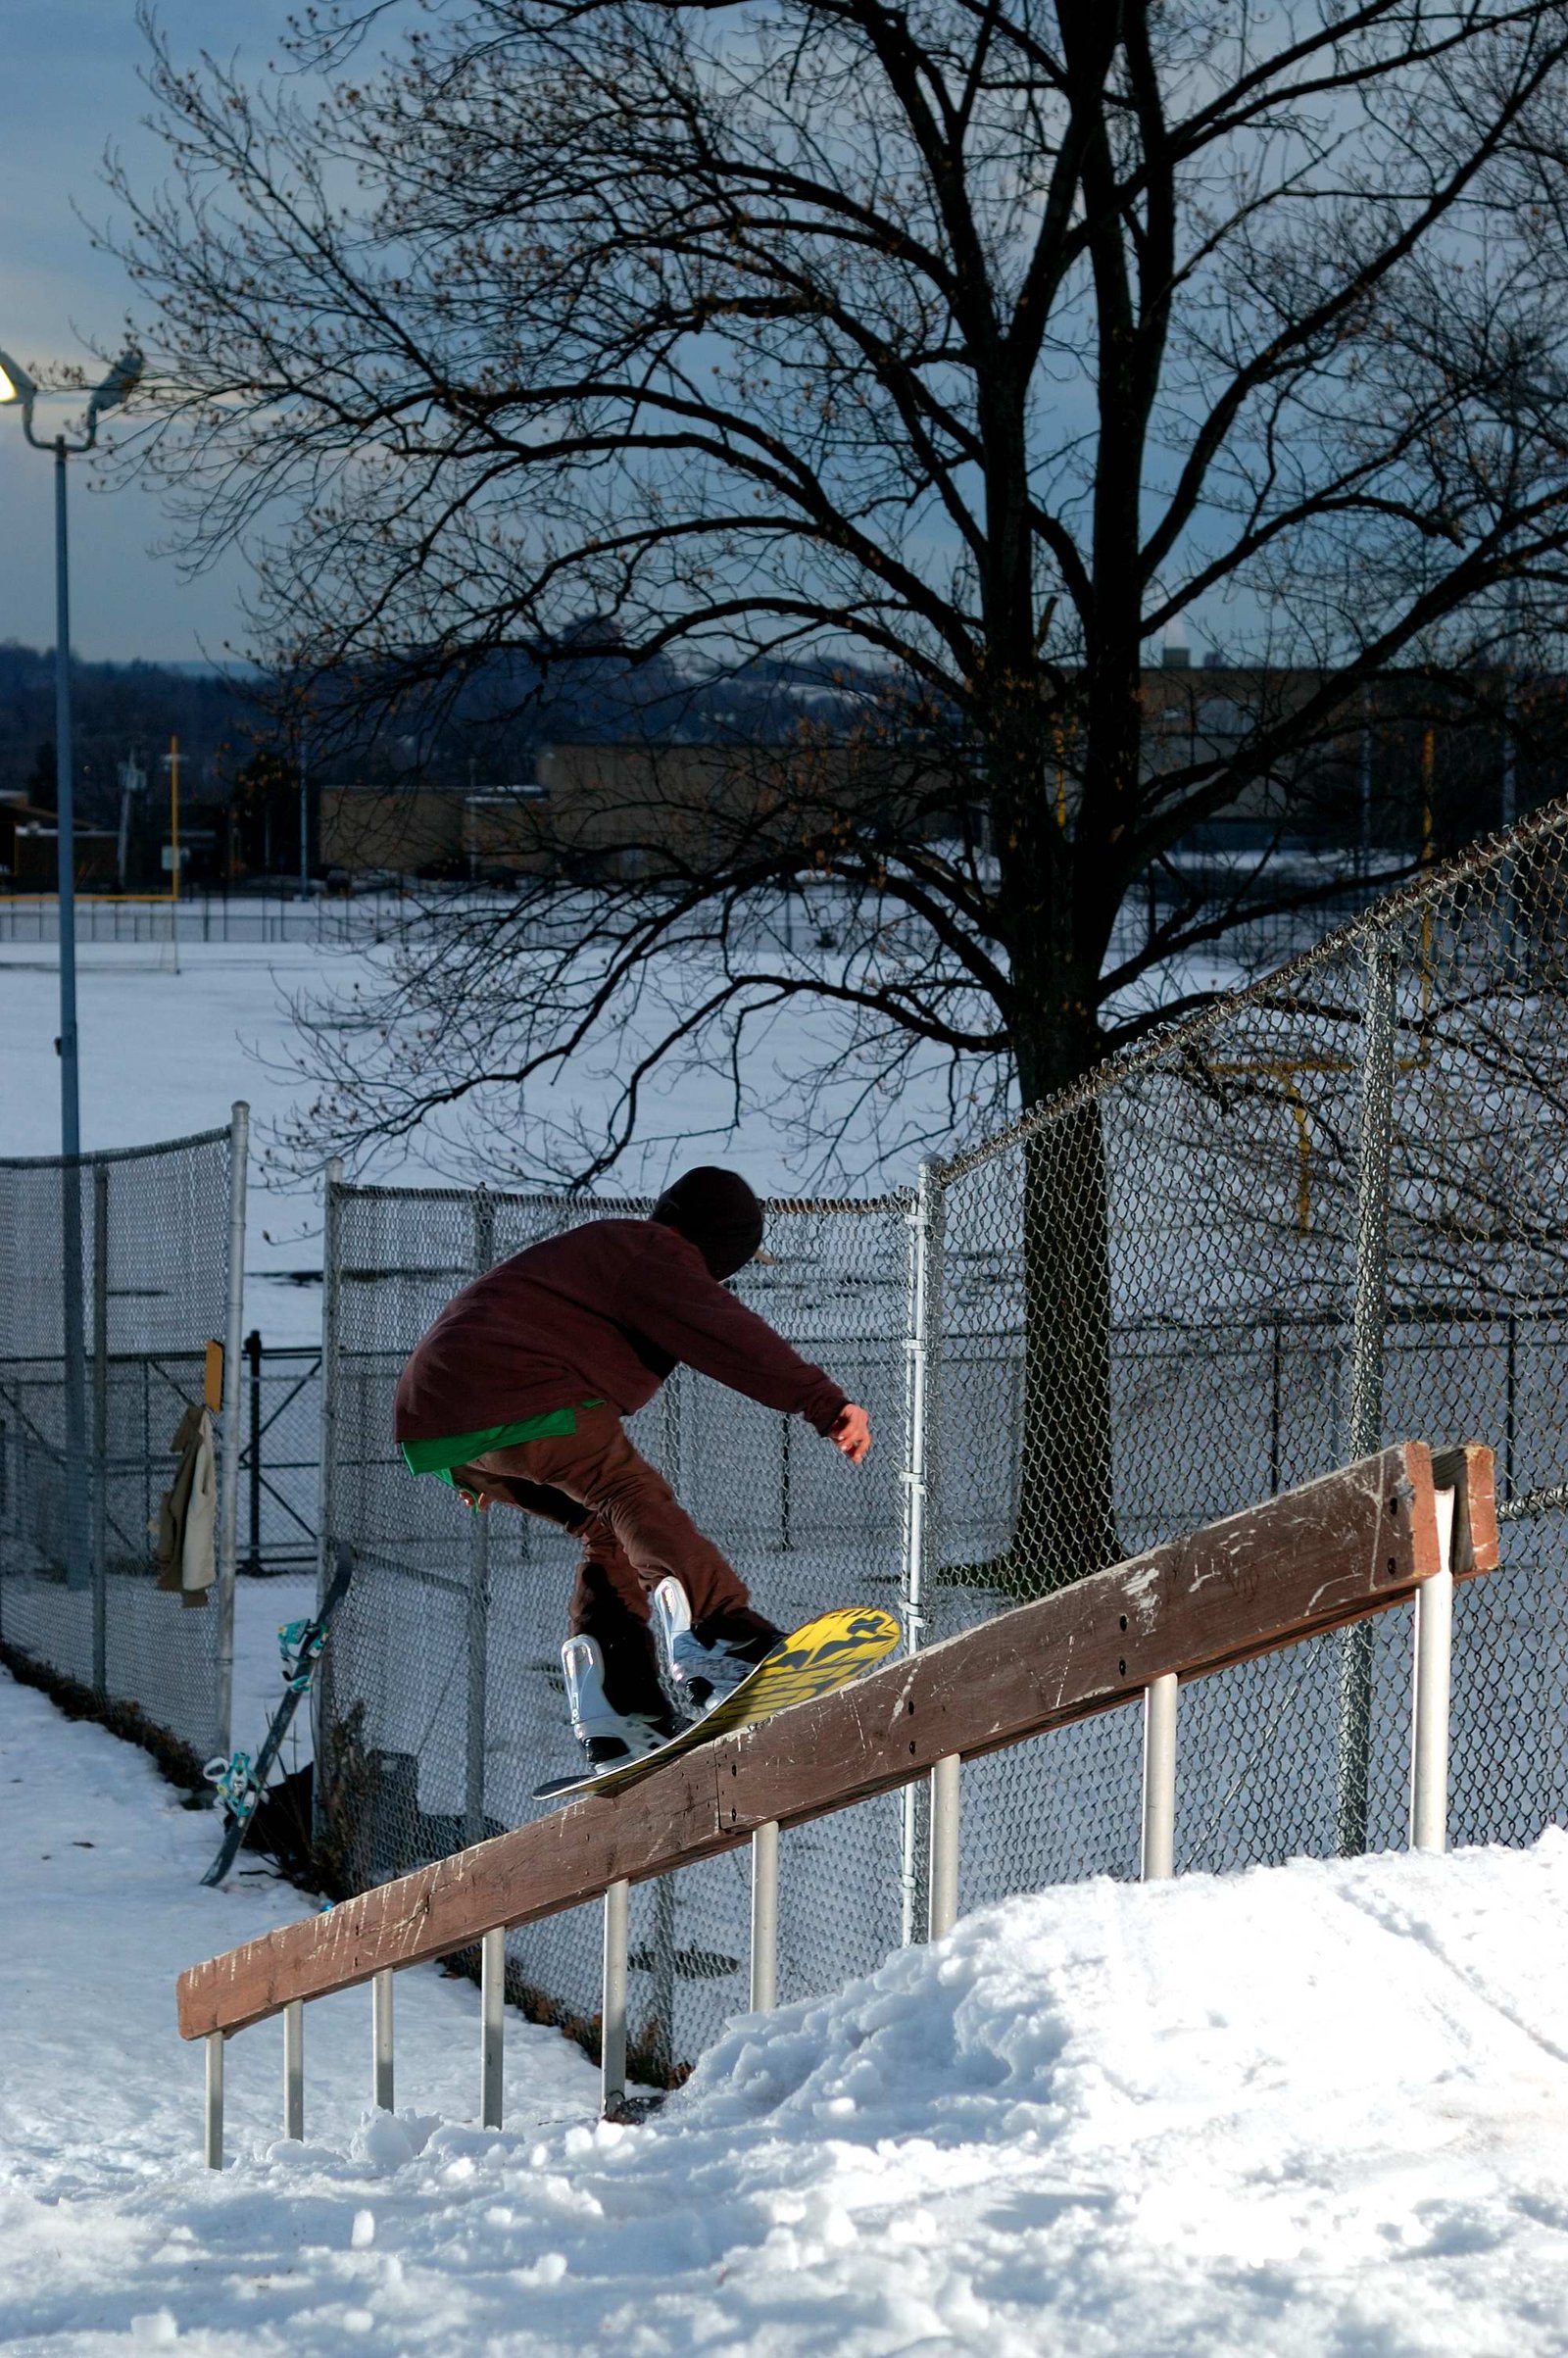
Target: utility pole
305, 821
171, 765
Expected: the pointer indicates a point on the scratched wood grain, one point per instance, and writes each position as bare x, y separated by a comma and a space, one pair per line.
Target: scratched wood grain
1331, 1551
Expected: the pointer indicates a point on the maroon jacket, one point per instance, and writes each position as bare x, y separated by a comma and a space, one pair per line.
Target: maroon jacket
602, 1312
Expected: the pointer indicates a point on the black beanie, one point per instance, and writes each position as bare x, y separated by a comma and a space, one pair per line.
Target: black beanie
717, 1211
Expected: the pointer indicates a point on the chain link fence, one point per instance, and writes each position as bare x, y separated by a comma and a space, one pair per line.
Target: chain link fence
442, 1702
1326, 1213
116, 1271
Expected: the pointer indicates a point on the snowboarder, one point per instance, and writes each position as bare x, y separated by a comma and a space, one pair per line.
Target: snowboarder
516, 1397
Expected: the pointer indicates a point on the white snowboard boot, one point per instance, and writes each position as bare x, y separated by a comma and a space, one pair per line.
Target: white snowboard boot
701, 1676
607, 1737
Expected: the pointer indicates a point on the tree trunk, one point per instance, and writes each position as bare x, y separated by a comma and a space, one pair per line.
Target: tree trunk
1058, 908
1064, 1523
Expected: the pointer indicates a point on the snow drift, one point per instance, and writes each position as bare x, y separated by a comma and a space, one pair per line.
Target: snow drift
1311, 2109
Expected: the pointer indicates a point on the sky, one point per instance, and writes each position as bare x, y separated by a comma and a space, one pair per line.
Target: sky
70, 87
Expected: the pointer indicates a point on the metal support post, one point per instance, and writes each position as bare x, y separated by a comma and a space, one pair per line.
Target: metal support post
478, 1608
213, 2101
765, 1918
1369, 1319
100, 1428
294, 2068
924, 1245
613, 2030
228, 1477
944, 1882
78, 1543
492, 2025
382, 2069
1428, 1705
1158, 1851
79, 1572
253, 1361
64, 824
320, 1699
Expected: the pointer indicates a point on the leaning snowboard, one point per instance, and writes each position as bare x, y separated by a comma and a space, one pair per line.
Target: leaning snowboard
241, 1781
826, 1654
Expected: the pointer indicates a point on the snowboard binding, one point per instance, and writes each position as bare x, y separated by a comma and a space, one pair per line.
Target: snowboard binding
609, 1738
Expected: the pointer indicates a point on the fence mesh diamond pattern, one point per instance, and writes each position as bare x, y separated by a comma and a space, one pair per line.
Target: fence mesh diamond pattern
114, 1274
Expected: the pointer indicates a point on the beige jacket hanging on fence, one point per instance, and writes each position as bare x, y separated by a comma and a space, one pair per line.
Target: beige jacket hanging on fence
187, 1520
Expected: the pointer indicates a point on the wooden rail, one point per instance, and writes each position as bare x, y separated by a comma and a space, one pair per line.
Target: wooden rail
1312, 1559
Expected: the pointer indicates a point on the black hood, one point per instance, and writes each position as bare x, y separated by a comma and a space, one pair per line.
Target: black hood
717, 1211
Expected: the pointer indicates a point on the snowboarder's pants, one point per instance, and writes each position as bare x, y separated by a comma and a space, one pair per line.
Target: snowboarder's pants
635, 1532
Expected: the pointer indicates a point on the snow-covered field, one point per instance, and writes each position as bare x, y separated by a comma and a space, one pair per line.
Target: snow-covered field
164, 1054
1317, 2109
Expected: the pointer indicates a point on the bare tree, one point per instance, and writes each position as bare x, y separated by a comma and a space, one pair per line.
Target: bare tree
966, 346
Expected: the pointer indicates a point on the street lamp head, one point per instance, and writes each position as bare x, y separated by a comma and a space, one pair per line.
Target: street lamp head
119, 385
16, 385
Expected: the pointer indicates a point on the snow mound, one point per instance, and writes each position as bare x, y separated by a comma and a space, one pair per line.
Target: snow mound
1307, 2110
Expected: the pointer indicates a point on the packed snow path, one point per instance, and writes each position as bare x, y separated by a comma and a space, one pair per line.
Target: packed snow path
1304, 2110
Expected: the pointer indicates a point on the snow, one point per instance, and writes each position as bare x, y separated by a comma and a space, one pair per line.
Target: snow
261, 1608
1312, 2111
165, 1054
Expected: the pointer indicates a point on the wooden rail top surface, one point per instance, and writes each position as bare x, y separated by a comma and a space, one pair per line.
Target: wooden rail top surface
1311, 1559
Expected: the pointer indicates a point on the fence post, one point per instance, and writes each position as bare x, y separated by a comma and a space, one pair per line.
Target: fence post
1510, 1421
323, 1711
1368, 1319
228, 1492
478, 1613
79, 1570
1429, 1702
924, 1217
100, 1428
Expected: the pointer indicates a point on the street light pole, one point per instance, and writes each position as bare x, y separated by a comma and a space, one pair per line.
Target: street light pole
66, 825
18, 387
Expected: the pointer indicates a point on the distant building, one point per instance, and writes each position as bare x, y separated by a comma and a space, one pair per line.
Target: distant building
622, 809
34, 863
641, 809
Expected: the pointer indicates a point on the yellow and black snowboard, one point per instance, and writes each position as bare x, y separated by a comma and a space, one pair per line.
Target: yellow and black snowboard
825, 1654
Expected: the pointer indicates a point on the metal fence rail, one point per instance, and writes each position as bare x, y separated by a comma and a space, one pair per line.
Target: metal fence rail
116, 1270
1324, 1212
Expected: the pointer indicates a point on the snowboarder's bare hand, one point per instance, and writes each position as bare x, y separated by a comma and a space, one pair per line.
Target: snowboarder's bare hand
851, 1432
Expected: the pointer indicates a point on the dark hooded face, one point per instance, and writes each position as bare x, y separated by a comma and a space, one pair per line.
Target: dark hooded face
717, 1211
